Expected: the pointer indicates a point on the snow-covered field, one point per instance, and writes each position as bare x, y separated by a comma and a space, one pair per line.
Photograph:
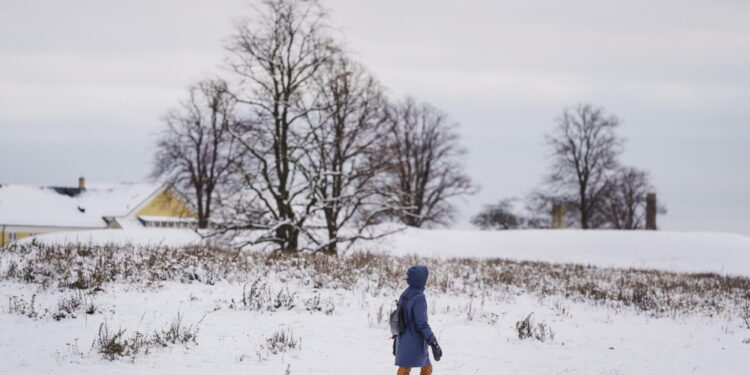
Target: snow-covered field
605, 321
588, 340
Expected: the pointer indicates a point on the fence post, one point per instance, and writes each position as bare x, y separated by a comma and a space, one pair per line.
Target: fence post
651, 211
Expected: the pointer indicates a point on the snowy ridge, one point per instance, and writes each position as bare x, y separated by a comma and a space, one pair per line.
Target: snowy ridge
132, 235
722, 253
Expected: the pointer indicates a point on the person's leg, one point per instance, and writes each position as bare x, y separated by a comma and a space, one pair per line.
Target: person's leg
403, 371
426, 370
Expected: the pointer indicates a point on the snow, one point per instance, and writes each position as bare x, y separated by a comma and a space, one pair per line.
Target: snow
170, 219
722, 253
136, 235
43, 206
588, 340
477, 331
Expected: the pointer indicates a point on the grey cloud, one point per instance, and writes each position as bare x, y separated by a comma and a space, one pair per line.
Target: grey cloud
87, 81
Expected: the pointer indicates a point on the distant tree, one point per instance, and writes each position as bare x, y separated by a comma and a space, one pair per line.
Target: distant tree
195, 151
426, 164
496, 216
584, 151
624, 205
511, 213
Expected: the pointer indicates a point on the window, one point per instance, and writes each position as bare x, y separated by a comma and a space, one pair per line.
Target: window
12, 236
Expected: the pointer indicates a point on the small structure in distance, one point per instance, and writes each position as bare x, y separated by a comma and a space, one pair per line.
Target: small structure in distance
27, 210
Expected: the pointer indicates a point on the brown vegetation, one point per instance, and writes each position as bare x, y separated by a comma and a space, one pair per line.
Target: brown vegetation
658, 293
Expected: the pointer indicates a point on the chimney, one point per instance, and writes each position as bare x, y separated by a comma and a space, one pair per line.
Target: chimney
81, 183
558, 216
651, 211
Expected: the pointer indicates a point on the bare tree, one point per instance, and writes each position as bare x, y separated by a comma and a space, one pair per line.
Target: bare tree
195, 151
511, 213
426, 169
277, 55
624, 205
345, 160
496, 216
585, 150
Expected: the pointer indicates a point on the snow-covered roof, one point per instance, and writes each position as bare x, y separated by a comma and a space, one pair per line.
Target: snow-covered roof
72, 207
170, 219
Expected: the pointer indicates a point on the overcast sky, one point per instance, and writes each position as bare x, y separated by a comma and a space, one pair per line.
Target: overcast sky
83, 85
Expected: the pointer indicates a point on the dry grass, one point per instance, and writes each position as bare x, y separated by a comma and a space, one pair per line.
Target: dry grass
527, 328
117, 344
658, 293
283, 341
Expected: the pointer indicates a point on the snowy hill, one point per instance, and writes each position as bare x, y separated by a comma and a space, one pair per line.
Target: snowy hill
722, 253
132, 235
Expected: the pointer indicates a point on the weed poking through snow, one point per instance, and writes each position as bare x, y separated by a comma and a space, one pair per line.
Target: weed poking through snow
70, 306
116, 344
281, 341
315, 304
527, 328
177, 333
19, 306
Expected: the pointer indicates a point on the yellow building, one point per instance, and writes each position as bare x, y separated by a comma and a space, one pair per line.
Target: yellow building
31, 210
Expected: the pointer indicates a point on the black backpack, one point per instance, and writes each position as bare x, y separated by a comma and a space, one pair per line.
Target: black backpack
398, 319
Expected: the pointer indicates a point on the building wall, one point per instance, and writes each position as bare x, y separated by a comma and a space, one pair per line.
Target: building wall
7, 237
168, 204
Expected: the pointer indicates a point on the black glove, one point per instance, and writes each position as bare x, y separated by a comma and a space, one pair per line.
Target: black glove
436, 351
394, 344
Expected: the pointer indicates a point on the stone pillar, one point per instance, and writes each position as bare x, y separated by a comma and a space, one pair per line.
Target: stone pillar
558, 216
651, 211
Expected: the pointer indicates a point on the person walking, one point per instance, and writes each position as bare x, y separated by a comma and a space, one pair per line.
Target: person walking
411, 345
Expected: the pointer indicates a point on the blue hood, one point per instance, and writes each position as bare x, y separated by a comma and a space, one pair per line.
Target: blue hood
416, 276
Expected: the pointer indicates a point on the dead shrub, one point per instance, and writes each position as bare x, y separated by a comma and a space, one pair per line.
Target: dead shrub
18, 305
115, 344
176, 333
527, 328
315, 304
282, 341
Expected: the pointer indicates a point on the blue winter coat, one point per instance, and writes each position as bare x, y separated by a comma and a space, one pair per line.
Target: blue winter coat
411, 346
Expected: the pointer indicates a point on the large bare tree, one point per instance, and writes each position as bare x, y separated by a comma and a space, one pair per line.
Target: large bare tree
345, 160
277, 54
426, 164
195, 151
584, 151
